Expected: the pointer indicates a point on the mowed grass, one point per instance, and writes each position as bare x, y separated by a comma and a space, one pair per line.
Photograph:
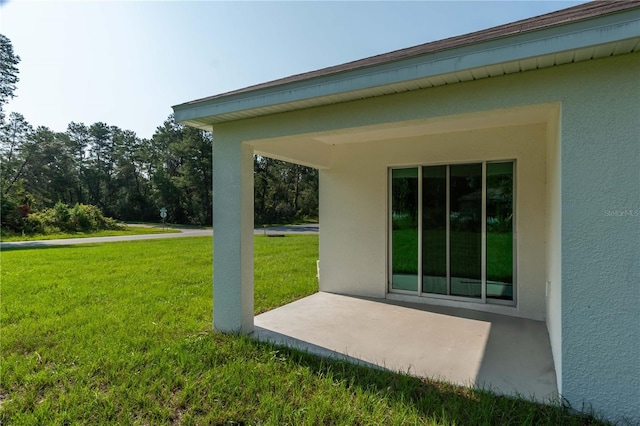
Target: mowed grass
128, 230
120, 333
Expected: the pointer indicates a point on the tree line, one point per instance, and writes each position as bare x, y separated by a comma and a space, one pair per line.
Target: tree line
127, 177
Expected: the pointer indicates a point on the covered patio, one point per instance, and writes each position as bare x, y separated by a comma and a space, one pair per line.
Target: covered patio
505, 354
478, 206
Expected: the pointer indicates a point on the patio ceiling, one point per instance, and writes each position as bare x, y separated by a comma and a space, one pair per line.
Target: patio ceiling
316, 149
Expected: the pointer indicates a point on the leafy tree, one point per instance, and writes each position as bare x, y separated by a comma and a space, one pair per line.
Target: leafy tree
15, 150
78, 136
284, 192
8, 72
49, 173
129, 178
77, 142
129, 183
181, 160
12, 137
96, 173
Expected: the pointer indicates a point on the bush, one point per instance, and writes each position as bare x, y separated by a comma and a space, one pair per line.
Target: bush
82, 217
9, 213
89, 218
62, 218
14, 208
32, 224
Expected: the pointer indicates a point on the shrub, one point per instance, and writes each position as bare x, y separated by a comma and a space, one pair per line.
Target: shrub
14, 207
82, 217
32, 224
90, 218
61, 217
9, 213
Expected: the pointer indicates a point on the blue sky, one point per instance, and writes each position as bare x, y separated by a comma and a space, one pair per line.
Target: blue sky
127, 62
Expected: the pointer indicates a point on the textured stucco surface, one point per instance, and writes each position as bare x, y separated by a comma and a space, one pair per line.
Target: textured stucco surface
601, 236
233, 224
595, 171
554, 245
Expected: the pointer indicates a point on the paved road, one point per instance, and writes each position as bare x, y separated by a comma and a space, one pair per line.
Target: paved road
184, 232
309, 228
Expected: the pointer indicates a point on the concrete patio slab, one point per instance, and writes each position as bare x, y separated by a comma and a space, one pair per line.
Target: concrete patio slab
507, 354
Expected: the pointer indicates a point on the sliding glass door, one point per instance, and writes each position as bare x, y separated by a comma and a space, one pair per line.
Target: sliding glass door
465, 230
500, 231
434, 230
452, 231
404, 229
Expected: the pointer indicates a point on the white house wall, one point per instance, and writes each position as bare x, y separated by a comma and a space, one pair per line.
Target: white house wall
553, 288
233, 222
600, 190
594, 272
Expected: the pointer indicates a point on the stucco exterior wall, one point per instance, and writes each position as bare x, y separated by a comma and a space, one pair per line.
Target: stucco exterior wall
233, 222
554, 245
352, 205
354, 208
596, 176
600, 185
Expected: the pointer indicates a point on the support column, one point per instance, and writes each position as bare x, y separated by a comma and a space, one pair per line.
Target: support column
233, 235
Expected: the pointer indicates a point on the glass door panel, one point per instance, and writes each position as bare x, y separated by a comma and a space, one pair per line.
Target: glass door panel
434, 229
404, 229
465, 224
447, 220
500, 230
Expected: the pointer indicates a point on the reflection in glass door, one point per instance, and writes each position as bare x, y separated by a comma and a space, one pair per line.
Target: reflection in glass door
500, 230
452, 231
404, 229
465, 230
434, 230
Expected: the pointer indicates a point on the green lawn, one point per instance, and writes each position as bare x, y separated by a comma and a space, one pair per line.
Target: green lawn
120, 333
129, 230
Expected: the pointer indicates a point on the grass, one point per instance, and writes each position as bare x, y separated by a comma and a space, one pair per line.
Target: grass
129, 230
119, 333
284, 270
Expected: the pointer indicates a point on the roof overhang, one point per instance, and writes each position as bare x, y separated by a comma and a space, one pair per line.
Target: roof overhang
613, 33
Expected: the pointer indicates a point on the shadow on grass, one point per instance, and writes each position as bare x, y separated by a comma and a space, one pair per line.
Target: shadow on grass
38, 245
439, 401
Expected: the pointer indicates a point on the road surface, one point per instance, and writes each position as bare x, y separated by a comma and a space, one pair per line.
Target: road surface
184, 232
